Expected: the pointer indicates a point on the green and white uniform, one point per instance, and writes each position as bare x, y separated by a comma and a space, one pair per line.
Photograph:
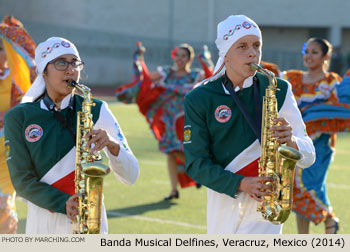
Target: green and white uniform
221, 148
41, 160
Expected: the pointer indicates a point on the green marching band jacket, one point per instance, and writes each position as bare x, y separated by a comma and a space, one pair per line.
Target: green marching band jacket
216, 132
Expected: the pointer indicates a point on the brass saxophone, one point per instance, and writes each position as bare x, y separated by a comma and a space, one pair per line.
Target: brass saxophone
276, 161
89, 171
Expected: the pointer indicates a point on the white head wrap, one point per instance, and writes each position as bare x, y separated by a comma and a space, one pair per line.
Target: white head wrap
44, 53
228, 32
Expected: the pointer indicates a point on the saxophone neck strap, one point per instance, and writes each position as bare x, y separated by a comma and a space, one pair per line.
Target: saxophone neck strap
255, 125
59, 117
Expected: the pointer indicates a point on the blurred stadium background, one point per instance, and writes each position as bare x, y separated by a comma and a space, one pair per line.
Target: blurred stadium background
105, 31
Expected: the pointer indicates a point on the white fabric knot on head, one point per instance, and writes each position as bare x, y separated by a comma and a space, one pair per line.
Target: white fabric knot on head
228, 32
44, 53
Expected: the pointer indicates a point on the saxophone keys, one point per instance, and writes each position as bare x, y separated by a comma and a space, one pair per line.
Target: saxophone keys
82, 185
270, 166
85, 230
85, 213
267, 198
82, 191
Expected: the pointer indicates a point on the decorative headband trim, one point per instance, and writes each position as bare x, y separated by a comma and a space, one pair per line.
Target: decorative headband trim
245, 25
49, 49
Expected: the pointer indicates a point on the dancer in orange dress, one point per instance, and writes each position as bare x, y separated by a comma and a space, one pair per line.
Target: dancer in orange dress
324, 104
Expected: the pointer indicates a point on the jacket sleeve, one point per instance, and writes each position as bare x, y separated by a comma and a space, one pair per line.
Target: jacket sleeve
200, 164
125, 165
291, 113
22, 172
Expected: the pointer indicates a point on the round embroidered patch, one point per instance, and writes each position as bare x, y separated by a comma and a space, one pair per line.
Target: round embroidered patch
222, 113
33, 133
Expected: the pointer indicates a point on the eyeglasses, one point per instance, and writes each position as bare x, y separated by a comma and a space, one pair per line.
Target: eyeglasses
62, 65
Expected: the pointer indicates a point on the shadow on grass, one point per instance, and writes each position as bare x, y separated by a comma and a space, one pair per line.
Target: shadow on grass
138, 210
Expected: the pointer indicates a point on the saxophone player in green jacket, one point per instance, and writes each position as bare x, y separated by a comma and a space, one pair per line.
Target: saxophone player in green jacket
39, 134
221, 149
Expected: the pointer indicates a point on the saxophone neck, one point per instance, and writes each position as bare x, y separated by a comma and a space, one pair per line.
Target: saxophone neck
270, 75
86, 91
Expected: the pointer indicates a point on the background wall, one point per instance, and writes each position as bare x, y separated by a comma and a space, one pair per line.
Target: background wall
106, 31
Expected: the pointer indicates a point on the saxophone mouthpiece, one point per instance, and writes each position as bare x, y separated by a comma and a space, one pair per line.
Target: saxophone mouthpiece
71, 83
254, 66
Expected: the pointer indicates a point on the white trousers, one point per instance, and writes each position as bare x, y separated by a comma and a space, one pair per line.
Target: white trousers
227, 215
42, 221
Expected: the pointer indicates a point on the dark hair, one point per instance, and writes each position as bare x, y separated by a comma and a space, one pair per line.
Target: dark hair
326, 46
189, 50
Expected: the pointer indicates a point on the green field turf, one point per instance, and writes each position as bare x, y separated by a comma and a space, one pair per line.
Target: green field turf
140, 209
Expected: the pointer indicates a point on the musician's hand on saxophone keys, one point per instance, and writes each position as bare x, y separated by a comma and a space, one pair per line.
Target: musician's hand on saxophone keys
100, 139
283, 132
256, 187
72, 206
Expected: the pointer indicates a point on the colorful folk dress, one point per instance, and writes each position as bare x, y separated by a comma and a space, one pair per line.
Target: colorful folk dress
14, 82
347, 73
325, 111
161, 102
